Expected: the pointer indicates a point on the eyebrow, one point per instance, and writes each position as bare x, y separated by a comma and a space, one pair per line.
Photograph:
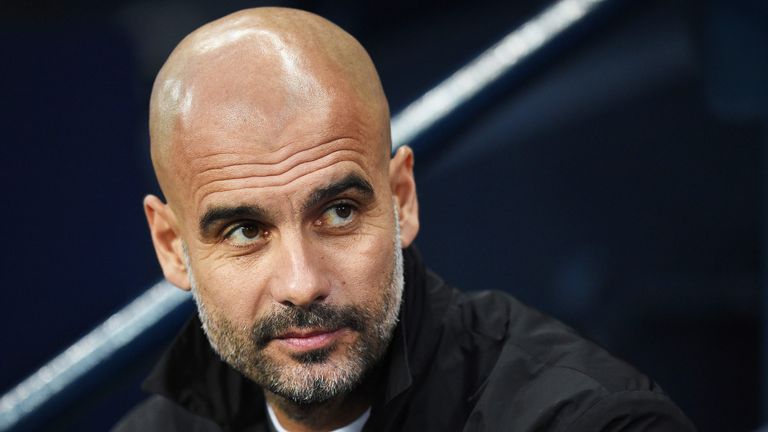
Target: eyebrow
351, 181
218, 214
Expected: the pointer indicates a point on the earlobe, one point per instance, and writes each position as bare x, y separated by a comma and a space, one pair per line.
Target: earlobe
163, 227
403, 187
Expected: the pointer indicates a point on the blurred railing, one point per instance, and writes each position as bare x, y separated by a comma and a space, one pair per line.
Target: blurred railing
39, 394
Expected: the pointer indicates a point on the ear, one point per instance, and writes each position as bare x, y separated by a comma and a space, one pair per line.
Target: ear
403, 186
163, 226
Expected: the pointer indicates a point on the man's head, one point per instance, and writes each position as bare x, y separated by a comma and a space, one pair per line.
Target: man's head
285, 213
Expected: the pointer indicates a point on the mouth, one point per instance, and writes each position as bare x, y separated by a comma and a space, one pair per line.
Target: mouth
309, 339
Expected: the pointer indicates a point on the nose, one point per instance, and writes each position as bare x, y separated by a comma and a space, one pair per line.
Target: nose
298, 277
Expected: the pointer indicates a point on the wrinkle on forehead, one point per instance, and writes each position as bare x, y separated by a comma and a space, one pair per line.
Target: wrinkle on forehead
220, 172
260, 185
222, 161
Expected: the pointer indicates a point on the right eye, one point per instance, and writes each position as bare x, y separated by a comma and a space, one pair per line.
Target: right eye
245, 234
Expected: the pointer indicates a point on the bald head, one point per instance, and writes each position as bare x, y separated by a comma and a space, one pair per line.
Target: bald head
260, 73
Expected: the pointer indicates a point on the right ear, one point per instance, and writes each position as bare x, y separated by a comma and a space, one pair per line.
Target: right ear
163, 226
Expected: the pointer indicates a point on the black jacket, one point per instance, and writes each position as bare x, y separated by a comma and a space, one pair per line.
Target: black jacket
459, 361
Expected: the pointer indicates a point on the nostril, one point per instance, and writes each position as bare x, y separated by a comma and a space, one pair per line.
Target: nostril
295, 303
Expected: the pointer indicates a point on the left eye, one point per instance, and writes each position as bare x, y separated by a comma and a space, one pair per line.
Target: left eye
338, 215
246, 234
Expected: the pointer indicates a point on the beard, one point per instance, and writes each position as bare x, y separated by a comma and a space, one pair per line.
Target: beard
316, 376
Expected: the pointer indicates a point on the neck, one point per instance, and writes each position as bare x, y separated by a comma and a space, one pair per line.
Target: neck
326, 416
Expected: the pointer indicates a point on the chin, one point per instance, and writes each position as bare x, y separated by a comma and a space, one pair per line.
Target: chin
315, 376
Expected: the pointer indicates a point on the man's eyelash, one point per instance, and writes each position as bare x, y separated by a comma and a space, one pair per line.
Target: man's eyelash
232, 228
344, 203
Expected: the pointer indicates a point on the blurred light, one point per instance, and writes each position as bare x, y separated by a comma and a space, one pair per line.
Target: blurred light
468, 81
81, 358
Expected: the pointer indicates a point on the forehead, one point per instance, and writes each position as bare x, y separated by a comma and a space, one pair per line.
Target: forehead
228, 160
222, 177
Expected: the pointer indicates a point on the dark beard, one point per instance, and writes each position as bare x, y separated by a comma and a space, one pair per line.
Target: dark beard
317, 316
316, 356
362, 355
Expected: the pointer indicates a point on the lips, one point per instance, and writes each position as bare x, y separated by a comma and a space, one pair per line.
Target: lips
310, 339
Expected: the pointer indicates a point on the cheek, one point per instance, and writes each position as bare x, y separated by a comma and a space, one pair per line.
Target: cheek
230, 291
362, 268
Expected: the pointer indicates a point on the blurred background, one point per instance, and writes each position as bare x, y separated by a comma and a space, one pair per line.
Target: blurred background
615, 181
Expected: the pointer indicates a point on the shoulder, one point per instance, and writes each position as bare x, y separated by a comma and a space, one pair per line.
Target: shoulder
157, 413
581, 409
545, 376
544, 345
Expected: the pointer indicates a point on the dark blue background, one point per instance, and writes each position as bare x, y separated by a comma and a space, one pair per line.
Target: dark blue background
617, 182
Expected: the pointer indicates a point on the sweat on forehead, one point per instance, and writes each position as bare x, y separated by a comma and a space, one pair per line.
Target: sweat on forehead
263, 77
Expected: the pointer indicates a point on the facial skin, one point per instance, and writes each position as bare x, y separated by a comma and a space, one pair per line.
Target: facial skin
270, 140
315, 376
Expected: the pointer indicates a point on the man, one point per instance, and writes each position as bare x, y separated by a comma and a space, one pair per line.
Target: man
292, 226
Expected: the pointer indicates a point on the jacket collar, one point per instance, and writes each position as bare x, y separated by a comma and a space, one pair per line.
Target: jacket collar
191, 374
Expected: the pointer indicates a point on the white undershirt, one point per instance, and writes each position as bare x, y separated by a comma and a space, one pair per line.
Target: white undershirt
355, 426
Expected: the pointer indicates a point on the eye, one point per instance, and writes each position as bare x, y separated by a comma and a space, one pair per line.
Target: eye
245, 234
338, 215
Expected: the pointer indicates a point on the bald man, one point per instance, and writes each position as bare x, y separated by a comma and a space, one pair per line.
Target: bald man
291, 223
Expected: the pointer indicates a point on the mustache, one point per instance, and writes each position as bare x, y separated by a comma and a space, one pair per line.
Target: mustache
317, 316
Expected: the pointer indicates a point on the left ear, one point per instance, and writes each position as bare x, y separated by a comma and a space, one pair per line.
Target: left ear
403, 186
